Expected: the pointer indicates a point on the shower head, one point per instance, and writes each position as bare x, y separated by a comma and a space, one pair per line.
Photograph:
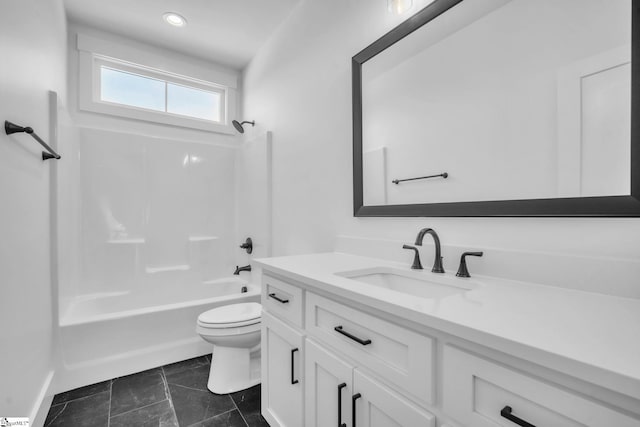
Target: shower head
238, 125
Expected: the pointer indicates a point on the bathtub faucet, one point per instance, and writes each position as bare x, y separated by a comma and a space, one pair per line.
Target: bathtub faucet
239, 269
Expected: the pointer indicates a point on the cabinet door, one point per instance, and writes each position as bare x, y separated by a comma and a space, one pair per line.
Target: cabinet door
483, 393
282, 370
396, 354
328, 388
282, 299
377, 406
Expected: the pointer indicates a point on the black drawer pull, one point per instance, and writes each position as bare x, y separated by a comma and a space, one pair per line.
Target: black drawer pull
506, 413
275, 297
353, 408
340, 387
293, 381
339, 330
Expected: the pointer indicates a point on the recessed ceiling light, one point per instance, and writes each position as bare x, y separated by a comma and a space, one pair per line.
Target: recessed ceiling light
398, 7
174, 19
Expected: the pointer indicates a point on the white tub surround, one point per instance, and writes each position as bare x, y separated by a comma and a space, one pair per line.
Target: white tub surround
555, 356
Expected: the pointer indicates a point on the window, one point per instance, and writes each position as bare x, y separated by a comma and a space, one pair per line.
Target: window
140, 87
121, 88
191, 102
130, 89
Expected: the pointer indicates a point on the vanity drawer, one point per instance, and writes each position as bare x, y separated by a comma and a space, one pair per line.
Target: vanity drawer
282, 300
393, 353
476, 391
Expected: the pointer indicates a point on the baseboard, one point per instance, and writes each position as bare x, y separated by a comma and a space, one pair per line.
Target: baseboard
77, 375
41, 407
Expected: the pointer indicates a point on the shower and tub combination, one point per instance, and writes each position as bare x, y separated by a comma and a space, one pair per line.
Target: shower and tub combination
149, 230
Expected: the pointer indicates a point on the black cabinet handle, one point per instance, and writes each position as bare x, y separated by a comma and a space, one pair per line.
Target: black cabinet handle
339, 330
340, 387
275, 297
353, 408
507, 413
293, 381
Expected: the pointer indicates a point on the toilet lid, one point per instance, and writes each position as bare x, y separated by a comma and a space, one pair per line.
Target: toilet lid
231, 314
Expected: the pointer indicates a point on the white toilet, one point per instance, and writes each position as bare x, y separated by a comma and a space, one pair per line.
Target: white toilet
234, 331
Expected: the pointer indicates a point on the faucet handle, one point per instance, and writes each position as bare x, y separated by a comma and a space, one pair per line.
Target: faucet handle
462, 270
247, 245
416, 257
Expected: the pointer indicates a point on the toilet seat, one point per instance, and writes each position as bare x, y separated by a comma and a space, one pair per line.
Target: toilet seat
231, 316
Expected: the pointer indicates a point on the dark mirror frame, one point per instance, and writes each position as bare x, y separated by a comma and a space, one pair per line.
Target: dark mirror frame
609, 206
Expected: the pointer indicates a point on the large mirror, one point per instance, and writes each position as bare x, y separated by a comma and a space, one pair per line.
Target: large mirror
500, 108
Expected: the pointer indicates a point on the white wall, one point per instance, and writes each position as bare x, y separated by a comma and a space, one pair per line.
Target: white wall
32, 41
299, 85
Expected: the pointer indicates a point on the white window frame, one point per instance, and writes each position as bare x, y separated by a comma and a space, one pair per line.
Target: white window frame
90, 97
100, 61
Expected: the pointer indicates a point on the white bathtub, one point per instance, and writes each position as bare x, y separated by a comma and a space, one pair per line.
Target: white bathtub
109, 335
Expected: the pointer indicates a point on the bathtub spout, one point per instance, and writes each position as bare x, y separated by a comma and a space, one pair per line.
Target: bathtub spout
239, 269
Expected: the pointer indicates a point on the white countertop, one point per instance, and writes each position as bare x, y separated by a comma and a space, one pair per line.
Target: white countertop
590, 336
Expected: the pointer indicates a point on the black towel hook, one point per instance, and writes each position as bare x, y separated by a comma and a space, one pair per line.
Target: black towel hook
10, 128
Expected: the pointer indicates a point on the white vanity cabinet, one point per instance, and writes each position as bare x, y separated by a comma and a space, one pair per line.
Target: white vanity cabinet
334, 389
377, 405
330, 385
359, 366
396, 354
282, 353
282, 300
482, 393
282, 372
328, 388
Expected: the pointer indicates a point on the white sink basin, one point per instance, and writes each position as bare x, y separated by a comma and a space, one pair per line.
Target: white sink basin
419, 283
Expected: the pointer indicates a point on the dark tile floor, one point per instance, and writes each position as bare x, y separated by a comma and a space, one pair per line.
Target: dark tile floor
174, 395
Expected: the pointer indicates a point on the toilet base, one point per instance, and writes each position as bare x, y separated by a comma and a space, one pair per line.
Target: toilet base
233, 369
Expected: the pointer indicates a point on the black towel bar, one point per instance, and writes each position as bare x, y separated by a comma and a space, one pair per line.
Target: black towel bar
443, 175
10, 128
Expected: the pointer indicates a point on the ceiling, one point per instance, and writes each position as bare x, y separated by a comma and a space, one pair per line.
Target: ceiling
228, 32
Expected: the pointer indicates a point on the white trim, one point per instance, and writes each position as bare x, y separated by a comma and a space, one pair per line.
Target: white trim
102, 62
133, 68
91, 44
94, 52
42, 404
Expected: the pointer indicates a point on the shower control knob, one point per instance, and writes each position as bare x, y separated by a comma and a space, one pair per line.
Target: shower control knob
247, 245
